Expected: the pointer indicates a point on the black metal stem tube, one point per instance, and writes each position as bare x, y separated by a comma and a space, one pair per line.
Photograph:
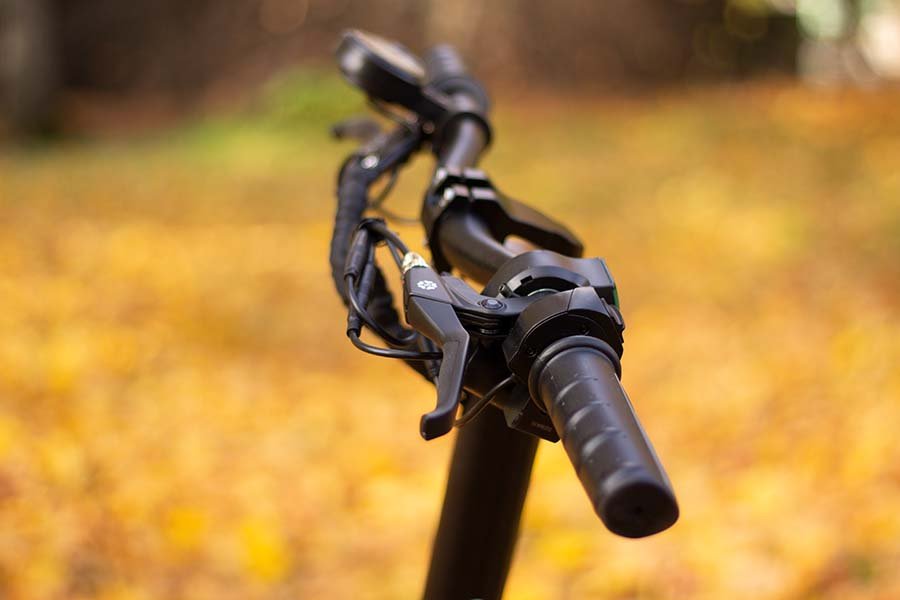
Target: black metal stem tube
486, 491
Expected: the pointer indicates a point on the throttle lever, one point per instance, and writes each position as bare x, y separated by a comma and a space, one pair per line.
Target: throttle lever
429, 309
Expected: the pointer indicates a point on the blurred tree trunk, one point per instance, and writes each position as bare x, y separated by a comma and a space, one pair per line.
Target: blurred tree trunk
453, 22
29, 61
616, 41
485, 33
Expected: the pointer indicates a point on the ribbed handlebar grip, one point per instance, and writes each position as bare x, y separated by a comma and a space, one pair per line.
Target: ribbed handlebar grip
446, 71
443, 61
577, 382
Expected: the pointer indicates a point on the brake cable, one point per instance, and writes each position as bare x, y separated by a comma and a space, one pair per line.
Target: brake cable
359, 277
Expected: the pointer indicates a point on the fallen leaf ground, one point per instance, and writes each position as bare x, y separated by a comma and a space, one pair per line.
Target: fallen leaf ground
182, 417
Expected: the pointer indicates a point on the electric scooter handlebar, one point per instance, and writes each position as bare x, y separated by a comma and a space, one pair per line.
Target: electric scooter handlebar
575, 380
572, 367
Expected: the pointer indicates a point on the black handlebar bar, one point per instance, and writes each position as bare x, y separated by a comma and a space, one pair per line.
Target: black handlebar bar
464, 238
469, 246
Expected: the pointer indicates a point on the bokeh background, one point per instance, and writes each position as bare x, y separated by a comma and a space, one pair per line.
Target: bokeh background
181, 415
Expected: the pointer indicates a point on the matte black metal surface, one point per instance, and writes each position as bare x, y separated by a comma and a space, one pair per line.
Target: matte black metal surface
469, 246
489, 477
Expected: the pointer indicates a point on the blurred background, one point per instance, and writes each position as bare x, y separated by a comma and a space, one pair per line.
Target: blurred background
181, 415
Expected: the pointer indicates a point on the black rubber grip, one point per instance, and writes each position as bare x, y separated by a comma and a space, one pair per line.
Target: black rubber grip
444, 61
446, 71
576, 380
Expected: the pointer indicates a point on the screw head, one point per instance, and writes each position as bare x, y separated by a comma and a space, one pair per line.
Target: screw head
491, 304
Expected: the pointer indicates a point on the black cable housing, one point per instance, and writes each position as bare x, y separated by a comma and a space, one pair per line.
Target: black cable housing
475, 409
391, 352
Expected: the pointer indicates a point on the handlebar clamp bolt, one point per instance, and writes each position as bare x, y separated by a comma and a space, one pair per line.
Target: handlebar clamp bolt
446, 198
492, 304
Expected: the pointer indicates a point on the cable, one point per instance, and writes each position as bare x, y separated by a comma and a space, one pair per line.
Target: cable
391, 239
382, 109
474, 410
395, 217
391, 352
388, 235
376, 327
432, 367
398, 257
377, 203
386, 190
358, 298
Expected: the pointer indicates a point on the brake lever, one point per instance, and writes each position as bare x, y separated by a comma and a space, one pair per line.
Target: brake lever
429, 309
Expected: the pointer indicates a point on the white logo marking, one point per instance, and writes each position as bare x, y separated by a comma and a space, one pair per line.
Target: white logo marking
426, 284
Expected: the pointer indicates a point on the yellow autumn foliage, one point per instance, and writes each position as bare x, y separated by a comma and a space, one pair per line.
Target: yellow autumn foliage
181, 415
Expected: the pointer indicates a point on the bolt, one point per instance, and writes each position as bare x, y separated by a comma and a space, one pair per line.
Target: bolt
370, 161
491, 304
447, 197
